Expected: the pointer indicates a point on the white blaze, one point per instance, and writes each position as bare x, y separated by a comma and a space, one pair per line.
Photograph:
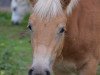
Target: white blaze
41, 56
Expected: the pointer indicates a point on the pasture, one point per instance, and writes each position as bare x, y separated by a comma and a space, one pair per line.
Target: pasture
15, 47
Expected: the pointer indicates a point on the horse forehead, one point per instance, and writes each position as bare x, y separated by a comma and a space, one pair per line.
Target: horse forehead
46, 28
54, 22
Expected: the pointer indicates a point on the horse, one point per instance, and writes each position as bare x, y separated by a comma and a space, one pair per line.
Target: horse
19, 9
65, 34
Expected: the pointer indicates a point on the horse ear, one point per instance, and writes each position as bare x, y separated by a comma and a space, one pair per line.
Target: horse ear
32, 2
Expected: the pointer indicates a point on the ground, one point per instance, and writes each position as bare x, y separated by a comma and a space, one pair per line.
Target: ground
15, 47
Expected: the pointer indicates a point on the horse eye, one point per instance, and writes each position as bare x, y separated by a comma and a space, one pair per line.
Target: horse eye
62, 30
30, 27
15, 8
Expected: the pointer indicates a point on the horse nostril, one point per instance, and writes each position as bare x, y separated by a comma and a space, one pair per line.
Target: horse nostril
38, 72
15, 23
30, 72
47, 72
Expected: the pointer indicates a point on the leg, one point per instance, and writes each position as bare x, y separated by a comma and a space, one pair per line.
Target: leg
89, 68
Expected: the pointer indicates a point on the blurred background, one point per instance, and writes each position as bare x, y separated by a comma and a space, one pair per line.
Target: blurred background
15, 47
5, 5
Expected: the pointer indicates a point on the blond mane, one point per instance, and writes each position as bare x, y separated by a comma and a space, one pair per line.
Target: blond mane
71, 6
48, 8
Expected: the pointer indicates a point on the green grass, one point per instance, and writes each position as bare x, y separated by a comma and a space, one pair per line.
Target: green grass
14, 41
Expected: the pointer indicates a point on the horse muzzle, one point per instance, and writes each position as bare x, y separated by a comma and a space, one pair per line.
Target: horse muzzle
39, 71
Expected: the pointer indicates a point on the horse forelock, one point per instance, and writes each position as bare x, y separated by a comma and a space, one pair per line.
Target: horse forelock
71, 6
48, 8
